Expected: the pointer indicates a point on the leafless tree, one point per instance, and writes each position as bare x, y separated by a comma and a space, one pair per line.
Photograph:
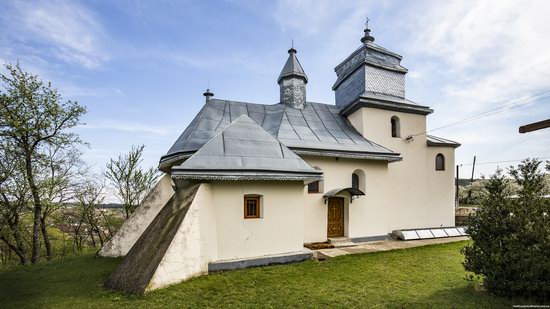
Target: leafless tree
130, 180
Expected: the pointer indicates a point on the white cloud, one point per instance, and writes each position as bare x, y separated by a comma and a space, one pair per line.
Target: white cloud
64, 30
495, 51
465, 57
128, 126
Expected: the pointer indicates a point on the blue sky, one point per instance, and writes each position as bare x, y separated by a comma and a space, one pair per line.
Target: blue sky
140, 67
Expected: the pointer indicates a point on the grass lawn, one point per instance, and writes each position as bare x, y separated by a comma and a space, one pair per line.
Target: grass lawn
420, 277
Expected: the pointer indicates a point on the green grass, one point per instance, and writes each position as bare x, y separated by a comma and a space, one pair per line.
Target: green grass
420, 277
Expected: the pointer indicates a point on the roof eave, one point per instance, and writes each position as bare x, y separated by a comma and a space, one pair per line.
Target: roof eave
394, 157
291, 75
201, 174
167, 161
386, 105
436, 144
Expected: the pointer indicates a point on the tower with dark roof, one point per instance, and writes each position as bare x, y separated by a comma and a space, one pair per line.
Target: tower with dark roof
370, 70
292, 82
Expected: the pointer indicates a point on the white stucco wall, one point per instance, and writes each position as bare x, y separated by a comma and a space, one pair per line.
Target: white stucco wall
415, 176
279, 230
406, 194
133, 227
441, 185
368, 215
192, 247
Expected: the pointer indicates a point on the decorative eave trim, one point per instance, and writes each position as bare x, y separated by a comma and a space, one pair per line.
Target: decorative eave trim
244, 175
386, 105
347, 154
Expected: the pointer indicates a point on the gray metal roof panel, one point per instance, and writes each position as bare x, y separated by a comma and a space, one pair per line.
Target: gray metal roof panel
439, 141
245, 146
299, 128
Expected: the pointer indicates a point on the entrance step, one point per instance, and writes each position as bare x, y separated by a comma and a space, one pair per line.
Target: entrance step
340, 242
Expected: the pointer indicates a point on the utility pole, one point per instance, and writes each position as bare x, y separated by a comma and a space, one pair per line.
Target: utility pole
471, 180
456, 185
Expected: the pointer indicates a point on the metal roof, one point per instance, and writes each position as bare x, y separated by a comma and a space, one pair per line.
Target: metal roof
244, 150
387, 102
292, 67
439, 141
370, 54
318, 129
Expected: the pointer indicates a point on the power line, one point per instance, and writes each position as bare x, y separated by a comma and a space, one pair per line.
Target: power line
483, 115
510, 147
506, 107
504, 161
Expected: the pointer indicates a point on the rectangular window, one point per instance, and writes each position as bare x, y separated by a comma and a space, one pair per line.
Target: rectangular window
313, 187
251, 207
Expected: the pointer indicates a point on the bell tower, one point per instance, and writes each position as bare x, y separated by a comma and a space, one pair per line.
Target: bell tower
369, 70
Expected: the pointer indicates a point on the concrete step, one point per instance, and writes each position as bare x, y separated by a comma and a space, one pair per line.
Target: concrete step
340, 242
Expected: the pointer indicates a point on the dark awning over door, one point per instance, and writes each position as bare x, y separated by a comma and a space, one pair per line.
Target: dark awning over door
351, 191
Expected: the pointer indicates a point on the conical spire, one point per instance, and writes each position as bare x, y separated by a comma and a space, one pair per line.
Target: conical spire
292, 82
292, 67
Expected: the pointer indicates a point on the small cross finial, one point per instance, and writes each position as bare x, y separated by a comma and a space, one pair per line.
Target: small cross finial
292, 50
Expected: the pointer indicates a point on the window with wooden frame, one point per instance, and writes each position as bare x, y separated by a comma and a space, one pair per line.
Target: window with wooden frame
252, 207
313, 187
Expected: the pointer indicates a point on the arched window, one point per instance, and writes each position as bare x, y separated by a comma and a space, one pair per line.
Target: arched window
358, 180
395, 127
355, 181
439, 162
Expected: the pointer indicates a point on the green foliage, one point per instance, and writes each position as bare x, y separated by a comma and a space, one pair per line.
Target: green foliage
35, 131
33, 114
130, 180
423, 277
511, 235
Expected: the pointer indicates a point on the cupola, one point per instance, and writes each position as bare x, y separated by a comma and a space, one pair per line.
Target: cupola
292, 82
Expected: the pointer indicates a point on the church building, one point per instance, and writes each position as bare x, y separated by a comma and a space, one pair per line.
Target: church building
249, 184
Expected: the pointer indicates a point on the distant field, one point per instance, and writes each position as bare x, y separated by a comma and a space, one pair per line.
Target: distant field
419, 277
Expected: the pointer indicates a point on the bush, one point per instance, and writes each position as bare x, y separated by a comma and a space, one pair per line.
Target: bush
510, 246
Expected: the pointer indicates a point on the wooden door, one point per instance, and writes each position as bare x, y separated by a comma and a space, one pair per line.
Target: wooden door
335, 227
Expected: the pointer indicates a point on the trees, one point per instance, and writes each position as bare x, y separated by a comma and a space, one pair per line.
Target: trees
14, 200
129, 179
33, 118
59, 175
89, 195
511, 236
